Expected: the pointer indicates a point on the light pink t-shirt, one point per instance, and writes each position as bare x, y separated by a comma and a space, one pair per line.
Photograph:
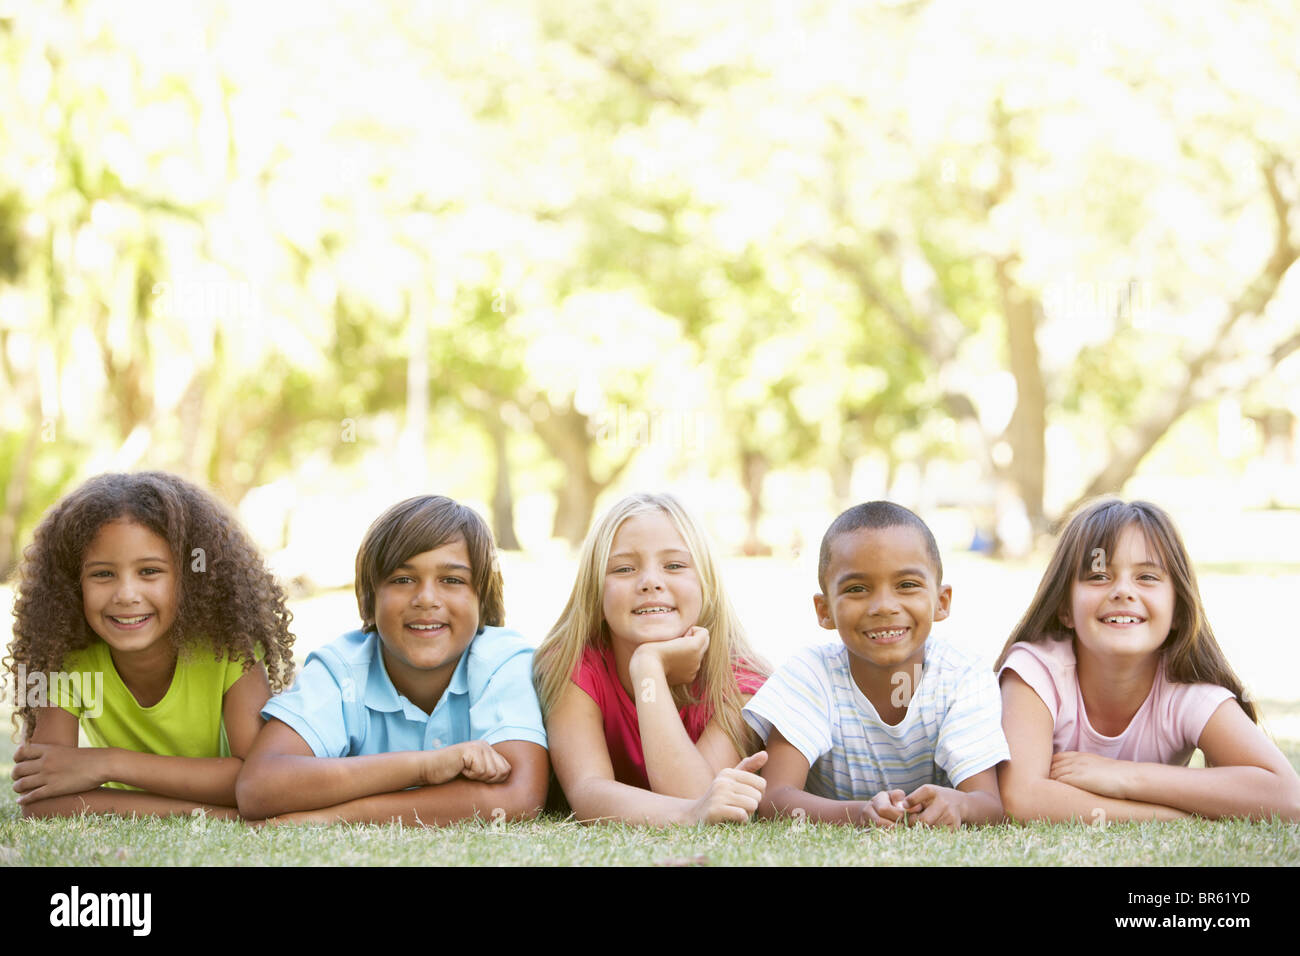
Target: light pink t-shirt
597, 674
1164, 730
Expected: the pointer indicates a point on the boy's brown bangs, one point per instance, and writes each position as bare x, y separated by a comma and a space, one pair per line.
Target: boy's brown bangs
413, 527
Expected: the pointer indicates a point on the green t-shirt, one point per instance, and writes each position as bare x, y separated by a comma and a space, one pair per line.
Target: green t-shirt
185, 723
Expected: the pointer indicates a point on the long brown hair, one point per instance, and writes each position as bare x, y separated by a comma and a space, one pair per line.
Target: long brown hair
1190, 653
229, 603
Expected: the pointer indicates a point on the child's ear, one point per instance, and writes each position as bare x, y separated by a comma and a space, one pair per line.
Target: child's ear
1066, 619
823, 609
941, 609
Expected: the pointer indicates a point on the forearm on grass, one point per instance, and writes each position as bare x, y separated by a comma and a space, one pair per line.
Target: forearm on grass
125, 803
600, 800
1213, 792
202, 780
1057, 802
785, 800
520, 797
981, 806
277, 783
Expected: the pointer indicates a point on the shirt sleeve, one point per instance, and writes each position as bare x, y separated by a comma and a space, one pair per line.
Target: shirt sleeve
507, 709
971, 739
1194, 705
314, 708
1034, 672
796, 700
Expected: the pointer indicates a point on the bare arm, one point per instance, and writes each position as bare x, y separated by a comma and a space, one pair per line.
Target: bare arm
786, 774
575, 731
675, 765
1247, 775
281, 774
55, 777
1027, 788
520, 796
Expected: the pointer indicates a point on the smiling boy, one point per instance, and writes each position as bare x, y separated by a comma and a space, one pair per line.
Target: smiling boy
427, 714
887, 726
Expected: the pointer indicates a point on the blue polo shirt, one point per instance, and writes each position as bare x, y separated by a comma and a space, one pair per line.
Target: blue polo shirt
344, 703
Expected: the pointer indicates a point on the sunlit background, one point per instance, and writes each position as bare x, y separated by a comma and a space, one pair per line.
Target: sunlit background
982, 259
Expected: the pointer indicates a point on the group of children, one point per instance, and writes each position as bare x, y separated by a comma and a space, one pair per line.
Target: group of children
645, 703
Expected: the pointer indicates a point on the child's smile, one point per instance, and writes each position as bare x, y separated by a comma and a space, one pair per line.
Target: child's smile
128, 588
652, 591
1124, 605
426, 612
882, 597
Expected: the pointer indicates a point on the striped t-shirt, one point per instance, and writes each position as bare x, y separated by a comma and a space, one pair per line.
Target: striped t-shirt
951, 731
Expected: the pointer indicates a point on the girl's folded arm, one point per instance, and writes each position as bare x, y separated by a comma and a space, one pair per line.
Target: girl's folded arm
282, 775
521, 796
675, 766
786, 774
209, 780
575, 733
1027, 790
55, 740
1246, 775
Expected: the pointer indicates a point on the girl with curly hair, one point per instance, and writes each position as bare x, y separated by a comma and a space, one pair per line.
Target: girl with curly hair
144, 612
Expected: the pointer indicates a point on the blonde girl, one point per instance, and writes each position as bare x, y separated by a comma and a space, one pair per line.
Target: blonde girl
643, 678
1113, 677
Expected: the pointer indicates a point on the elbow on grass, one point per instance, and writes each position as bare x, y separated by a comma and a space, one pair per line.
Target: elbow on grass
254, 800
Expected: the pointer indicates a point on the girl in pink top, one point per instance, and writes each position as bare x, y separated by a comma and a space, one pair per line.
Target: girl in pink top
643, 678
1113, 677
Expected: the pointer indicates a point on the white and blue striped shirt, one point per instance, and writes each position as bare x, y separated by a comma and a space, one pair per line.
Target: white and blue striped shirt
951, 731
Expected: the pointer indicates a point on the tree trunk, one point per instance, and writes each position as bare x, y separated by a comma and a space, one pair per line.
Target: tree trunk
1027, 430
503, 501
754, 468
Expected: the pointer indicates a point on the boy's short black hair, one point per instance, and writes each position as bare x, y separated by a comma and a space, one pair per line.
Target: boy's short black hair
421, 524
876, 515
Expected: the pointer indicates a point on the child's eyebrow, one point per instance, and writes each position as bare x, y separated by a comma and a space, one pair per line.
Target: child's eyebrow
625, 555
917, 572
89, 564
441, 569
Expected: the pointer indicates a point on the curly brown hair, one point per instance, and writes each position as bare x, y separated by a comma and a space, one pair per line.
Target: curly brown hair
229, 603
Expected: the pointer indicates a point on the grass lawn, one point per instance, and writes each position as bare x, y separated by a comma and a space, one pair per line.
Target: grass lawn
112, 841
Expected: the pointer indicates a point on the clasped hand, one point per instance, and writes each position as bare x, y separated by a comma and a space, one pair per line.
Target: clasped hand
927, 805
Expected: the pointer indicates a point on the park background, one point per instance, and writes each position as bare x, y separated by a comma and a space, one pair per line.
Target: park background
984, 260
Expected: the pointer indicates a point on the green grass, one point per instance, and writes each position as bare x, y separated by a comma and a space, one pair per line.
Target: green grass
103, 841
115, 841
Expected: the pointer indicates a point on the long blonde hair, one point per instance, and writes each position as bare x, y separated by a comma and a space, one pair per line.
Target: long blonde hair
582, 623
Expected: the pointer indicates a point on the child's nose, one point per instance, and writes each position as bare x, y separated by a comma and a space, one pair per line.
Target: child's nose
427, 594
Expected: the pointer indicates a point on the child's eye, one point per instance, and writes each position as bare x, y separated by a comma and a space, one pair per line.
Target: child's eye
150, 572
854, 589
402, 579
101, 574
620, 570
909, 585
674, 566
453, 580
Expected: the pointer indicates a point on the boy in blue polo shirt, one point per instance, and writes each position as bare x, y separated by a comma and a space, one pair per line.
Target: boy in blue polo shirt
425, 715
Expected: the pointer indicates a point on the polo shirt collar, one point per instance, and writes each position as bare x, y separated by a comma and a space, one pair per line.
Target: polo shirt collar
381, 695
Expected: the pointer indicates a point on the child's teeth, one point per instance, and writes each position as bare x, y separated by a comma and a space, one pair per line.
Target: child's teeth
653, 610
130, 620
